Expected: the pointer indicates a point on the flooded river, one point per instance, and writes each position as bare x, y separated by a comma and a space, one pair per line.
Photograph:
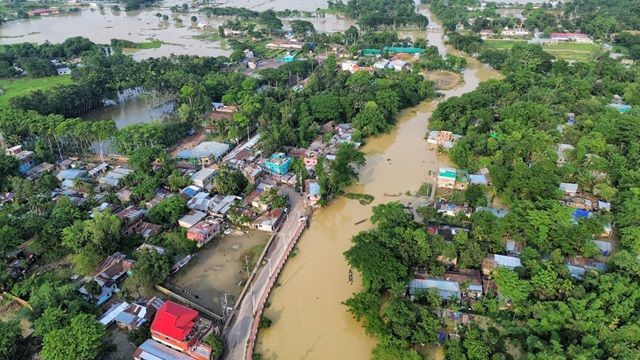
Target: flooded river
309, 320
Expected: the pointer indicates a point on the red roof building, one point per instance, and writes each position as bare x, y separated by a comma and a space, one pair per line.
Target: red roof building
182, 329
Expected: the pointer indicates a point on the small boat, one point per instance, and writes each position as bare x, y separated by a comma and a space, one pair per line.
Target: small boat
392, 195
360, 222
350, 277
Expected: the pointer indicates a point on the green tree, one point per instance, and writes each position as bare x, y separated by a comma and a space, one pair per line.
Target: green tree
371, 121
140, 335
325, 107
168, 211
178, 181
93, 287
475, 195
217, 345
230, 181
264, 322
11, 340
52, 319
151, 268
81, 339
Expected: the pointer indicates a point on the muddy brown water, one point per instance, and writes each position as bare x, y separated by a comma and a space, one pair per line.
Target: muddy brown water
309, 320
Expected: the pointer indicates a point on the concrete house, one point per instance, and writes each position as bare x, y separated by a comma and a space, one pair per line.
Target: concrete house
204, 231
203, 178
181, 329
268, 221
278, 164
25, 158
191, 218
447, 177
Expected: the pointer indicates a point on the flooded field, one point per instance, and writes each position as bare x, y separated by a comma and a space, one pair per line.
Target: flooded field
309, 320
102, 26
133, 109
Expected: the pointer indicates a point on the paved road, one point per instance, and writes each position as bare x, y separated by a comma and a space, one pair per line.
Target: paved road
237, 335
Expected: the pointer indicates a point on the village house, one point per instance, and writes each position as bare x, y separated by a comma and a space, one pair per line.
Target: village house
543, 41
451, 209
336, 49
344, 134
201, 202
148, 247
285, 44
311, 158
110, 271
138, 313
252, 172
447, 289
579, 265
25, 158
181, 329
145, 229
190, 191
160, 196
507, 32
115, 176
446, 178
37, 171
564, 151
131, 214
220, 205
253, 62
446, 139
465, 283
231, 32
203, 178
313, 192
63, 71
493, 261
204, 231
605, 247
349, 65
191, 218
577, 37
206, 152
568, 189
124, 195
268, 221
487, 34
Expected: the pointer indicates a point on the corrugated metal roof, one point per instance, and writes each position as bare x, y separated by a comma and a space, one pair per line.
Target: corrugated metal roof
507, 261
446, 287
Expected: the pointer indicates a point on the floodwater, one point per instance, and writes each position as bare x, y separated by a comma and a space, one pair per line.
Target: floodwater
261, 5
309, 320
131, 108
102, 26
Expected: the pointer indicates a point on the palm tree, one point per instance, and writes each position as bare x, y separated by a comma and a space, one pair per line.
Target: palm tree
79, 184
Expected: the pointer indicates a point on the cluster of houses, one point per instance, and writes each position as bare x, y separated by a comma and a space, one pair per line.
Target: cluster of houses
177, 332
399, 59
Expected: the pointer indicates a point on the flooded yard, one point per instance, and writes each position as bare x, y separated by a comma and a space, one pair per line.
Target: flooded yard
218, 269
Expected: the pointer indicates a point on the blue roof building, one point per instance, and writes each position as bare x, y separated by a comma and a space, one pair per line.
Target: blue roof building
278, 164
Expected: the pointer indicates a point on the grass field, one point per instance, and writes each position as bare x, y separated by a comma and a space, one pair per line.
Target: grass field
565, 51
23, 86
153, 44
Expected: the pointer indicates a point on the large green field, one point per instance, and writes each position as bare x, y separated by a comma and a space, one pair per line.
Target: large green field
17, 87
565, 51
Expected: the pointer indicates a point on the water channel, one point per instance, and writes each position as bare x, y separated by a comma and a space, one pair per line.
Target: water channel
309, 320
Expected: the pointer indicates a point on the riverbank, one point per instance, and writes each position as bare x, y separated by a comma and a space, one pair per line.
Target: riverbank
309, 320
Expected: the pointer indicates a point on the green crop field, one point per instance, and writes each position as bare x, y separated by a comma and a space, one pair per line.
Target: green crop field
565, 51
18, 87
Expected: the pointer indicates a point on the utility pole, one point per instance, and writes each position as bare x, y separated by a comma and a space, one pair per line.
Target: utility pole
247, 263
